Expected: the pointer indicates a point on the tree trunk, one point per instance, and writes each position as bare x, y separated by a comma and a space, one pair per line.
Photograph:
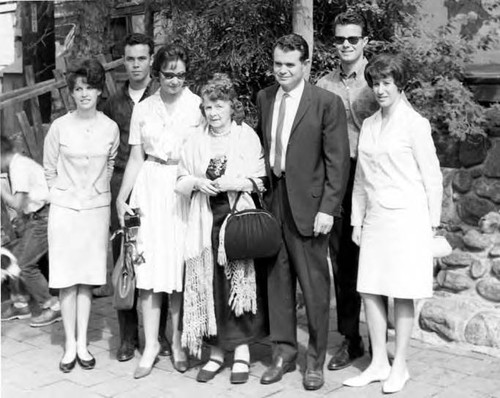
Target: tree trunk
302, 24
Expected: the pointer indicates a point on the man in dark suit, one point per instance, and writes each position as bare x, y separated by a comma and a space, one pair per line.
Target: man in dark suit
304, 133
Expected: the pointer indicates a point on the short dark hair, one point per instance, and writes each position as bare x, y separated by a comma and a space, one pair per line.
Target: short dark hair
351, 18
221, 87
294, 42
169, 53
387, 65
90, 69
139, 38
7, 146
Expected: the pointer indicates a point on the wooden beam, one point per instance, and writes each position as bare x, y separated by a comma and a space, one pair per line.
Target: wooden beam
25, 93
110, 83
63, 90
35, 150
36, 115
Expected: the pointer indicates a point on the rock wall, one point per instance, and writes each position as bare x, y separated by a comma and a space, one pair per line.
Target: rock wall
466, 303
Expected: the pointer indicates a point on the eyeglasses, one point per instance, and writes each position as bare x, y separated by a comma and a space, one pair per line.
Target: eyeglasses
171, 75
351, 39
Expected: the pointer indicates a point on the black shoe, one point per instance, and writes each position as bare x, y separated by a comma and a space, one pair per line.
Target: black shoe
67, 367
346, 354
87, 365
275, 372
240, 377
206, 375
165, 347
313, 379
126, 352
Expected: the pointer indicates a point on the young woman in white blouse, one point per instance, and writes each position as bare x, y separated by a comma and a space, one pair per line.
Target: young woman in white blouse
396, 206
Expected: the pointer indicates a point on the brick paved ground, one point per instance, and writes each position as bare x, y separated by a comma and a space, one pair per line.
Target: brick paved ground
30, 360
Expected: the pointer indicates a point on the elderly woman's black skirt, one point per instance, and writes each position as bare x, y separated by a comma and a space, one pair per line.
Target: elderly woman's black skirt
233, 331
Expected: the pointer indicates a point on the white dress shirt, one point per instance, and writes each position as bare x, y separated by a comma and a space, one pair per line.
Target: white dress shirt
292, 104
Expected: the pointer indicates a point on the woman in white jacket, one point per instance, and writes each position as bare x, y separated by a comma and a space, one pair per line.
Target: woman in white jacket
396, 207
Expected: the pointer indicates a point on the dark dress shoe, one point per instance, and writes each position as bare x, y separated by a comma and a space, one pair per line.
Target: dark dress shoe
206, 375
180, 366
313, 379
165, 347
126, 352
275, 372
346, 354
240, 377
87, 365
67, 367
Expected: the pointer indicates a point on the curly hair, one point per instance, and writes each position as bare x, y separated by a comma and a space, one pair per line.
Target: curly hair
387, 65
221, 87
89, 69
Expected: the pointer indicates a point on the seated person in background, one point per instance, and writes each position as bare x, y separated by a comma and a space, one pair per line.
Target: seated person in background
30, 198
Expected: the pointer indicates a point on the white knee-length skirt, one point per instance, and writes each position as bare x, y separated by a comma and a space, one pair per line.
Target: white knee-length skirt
78, 246
395, 252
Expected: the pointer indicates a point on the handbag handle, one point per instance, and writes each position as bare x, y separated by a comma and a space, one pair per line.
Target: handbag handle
259, 194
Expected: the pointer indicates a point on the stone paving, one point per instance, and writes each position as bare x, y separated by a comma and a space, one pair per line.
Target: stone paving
30, 360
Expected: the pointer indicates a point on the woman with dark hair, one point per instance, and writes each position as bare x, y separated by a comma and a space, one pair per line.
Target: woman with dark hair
396, 206
222, 299
159, 126
79, 154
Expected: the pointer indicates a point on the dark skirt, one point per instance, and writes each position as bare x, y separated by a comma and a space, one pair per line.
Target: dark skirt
233, 331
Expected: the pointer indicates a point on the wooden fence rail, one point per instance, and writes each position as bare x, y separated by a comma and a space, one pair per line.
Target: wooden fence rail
34, 134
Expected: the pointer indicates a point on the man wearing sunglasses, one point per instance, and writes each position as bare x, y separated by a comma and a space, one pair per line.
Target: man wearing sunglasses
348, 81
138, 59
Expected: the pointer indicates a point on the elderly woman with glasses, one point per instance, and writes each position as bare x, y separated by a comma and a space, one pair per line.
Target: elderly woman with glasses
223, 300
159, 128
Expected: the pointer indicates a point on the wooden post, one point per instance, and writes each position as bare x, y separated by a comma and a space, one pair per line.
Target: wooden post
110, 82
302, 24
35, 150
36, 116
64, 91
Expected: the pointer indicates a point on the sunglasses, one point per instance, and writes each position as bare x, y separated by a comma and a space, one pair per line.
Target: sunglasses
171, 75
351, 39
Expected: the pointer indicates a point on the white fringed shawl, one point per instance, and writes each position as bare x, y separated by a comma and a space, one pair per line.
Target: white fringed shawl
244, 159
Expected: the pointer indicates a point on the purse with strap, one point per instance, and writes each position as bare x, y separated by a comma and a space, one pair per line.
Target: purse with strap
250, 233
124, 278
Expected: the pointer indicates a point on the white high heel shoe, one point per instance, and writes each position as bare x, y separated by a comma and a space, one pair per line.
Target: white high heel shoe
391, 389
366, 378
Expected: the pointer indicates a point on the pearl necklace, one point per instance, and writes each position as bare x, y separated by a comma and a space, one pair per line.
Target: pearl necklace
218, 135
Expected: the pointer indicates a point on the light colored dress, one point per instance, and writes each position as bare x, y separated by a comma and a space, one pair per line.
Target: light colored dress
396, 199
78, 166
163, 212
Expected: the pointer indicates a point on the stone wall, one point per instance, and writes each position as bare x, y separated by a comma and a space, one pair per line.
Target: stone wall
466, 303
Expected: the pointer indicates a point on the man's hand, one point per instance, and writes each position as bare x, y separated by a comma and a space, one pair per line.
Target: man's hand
207, 186
356, 235
323, 224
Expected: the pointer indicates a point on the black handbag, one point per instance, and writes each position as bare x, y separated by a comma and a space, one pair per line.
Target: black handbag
251, 233
124, 278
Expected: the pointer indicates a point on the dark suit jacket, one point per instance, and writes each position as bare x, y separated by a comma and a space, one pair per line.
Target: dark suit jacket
317, 155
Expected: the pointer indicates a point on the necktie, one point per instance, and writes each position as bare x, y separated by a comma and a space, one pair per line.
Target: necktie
278, 147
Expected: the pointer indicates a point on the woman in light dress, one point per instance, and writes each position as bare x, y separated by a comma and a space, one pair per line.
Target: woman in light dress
158, 129
223, 300
396, 207
79, 152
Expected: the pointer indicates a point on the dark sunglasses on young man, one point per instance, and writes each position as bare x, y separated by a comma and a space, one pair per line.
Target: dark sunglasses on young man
171, 75
351, 39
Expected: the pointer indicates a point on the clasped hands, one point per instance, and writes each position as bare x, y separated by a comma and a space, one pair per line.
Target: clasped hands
226, 183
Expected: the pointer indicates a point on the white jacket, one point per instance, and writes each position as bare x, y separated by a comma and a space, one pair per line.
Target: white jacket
397, 167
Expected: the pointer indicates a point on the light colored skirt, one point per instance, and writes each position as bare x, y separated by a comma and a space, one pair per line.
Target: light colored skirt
78, 246
395, 255
163, 226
